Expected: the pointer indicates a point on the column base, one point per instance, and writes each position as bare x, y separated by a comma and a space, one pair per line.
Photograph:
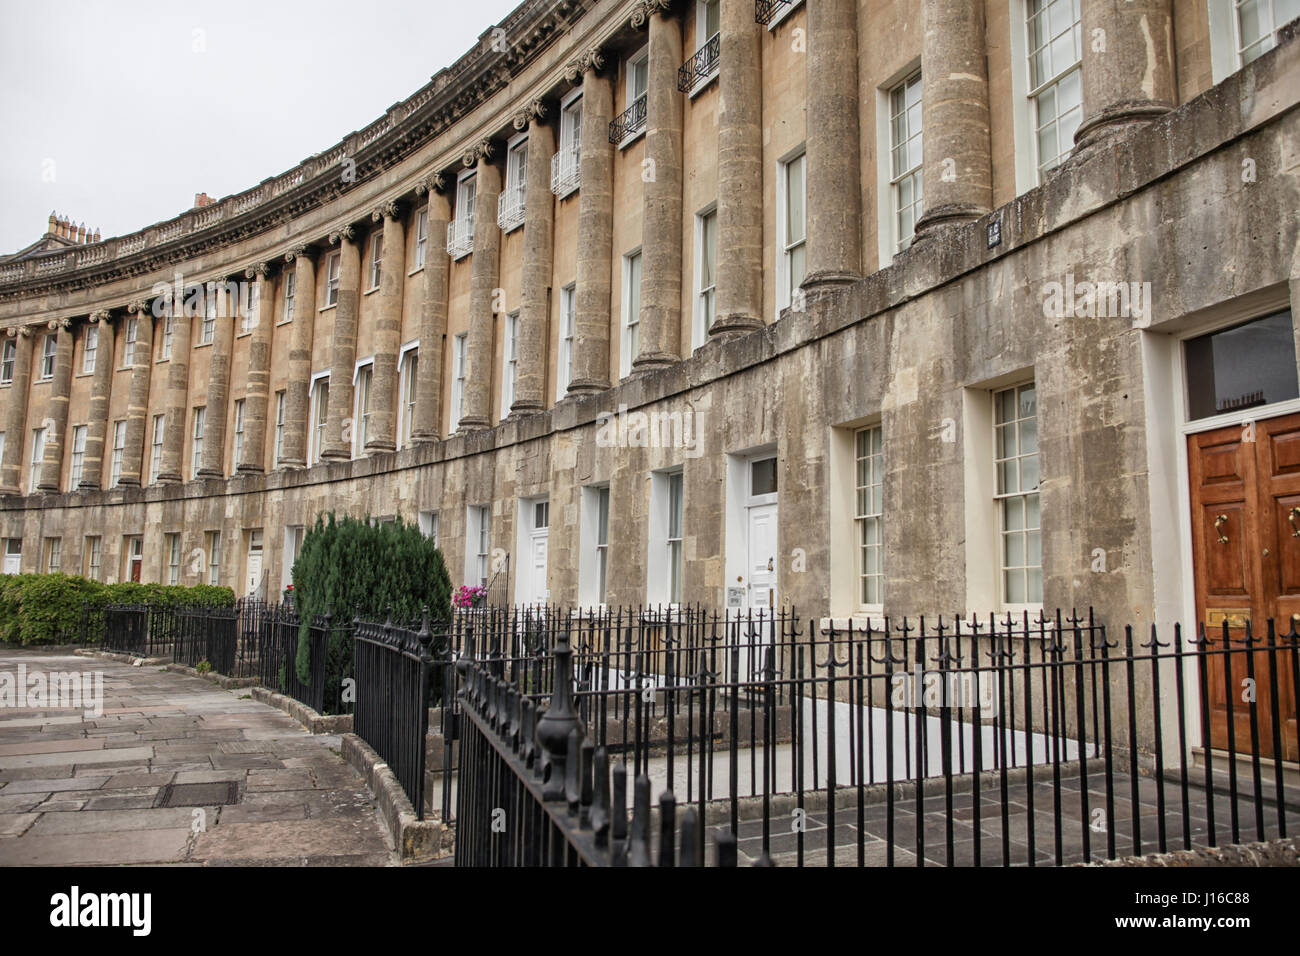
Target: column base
374, 448
650, 361
950, 214
734, 323
1115, 119
587, 386
125, 482
85, 486
291, 464
250, 470
476, 424
336, 454
524, 409
425, 439
825, 277
209, 473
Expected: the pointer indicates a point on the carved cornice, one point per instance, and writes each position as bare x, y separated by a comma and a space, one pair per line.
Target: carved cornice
535, 110
409, 126
390, 210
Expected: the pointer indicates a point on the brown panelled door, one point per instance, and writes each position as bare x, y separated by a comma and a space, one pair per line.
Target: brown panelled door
1245, 484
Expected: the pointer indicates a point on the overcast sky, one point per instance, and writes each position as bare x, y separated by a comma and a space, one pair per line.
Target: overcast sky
115, 113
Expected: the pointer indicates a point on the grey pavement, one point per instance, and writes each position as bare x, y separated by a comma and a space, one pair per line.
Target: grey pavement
79, 788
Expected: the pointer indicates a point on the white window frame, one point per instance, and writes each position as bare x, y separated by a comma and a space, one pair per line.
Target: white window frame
165, 349
511, 204
705, 297
156, 447
8, 360
1054, 83
198, 427
593, 555
897, 240
318, 409
478, 544
294, 535
459, 345
460, 231
665, 562
173, 543
785, 251
509, 362
428, 521
630, 324
249, 306
630, 97
869, 516
53, 555
237, 434
280, 400
375, 259
94, 557
408, 365
421, 237
290, 293
77, 465
13, 548
363, 380
90, 350
38, 458
214, 557
333, 268
129, 342
208, 327
1002, 500
703, 38
564, 357
566, 164
49, 354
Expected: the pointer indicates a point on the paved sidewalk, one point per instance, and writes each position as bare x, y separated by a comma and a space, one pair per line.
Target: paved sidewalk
79, 789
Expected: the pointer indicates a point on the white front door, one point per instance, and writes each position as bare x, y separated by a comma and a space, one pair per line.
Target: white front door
13, 556
253, 574
761, 561
537, 568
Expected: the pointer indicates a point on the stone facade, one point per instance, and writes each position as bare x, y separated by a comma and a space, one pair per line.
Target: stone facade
914, 341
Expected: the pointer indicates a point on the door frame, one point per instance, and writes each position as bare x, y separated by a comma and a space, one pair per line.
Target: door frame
527, 533
737, 504
1164, 374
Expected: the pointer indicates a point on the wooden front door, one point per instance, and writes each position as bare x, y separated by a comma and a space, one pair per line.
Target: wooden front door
1245, 483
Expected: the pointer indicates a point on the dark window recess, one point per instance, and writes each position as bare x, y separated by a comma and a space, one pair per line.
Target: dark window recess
1243, 367
763, 477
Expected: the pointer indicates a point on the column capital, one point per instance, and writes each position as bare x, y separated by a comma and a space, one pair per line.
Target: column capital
648, 8
342, 233
592, 59
388, 210
140, 306
17, 330
303, 249
535, 110
100, 315
433, 183
263, 269
480, 150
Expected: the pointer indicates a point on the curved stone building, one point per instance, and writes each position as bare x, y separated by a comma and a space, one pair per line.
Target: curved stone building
864, 306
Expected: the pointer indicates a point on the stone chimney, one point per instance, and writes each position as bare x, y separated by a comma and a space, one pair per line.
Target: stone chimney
202, 199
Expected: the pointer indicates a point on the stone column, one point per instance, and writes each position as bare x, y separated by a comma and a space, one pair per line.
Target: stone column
101, 387
388, 330
343, 366
834, 191
957, 175
137, 402
433, 320
595, 229
213, 463
1128, 66
539, 251
11, 469
56, 414
178, 392
661, 245
484, 279
739, 290
257, 393
297, 400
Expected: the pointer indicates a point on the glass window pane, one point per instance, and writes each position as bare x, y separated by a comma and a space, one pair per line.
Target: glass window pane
1242, 367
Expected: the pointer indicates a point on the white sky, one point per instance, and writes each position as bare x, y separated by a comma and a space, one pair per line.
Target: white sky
111, 101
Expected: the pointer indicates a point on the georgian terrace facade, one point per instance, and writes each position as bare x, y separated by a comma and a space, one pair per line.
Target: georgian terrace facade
806, 244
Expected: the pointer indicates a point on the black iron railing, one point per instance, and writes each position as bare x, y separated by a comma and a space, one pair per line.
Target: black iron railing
536, 791
393, 668
630, 121
941, 741
765, 10
126, 628
207, 635
276, 630
701, 66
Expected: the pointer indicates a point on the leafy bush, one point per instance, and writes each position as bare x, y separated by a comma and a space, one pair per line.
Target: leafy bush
50, 608
349, 567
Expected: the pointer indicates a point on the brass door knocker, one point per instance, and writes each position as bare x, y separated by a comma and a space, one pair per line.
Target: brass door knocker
1220, 520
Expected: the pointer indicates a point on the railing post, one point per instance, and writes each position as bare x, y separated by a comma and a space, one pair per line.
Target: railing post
555, 724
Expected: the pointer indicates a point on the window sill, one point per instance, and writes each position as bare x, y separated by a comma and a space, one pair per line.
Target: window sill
373, 289
783, 13
284, 322
629, 140
202, 345
416, 271
565, 193
704, 83
243, 335
326, 308
90, 374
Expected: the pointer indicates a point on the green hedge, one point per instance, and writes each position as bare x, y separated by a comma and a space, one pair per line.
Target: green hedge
348, 566
49, 608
